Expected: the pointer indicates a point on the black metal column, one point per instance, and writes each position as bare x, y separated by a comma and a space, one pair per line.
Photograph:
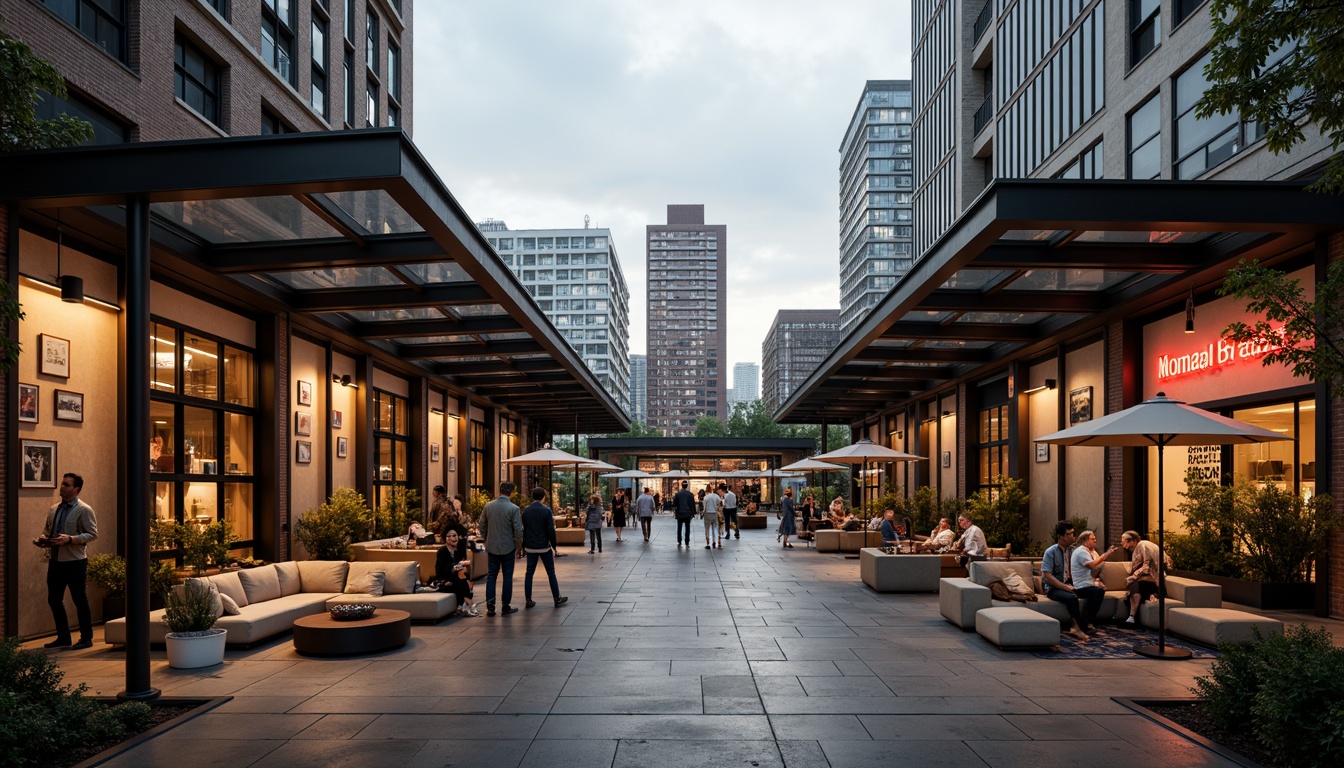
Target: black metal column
138, 498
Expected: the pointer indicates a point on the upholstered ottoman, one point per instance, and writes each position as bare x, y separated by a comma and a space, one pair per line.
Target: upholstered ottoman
1017, 628
571, 537
828, 540
898, 573
1212, 626
747, 522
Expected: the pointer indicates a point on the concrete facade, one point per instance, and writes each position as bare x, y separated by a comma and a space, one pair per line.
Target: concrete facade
798, 340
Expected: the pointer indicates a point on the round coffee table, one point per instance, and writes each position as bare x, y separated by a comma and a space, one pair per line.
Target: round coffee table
321, 635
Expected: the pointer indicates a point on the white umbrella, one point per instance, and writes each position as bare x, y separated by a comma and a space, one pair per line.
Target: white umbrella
549, 458
624, 474
1161, 421
671, 473
812, 465
862, 452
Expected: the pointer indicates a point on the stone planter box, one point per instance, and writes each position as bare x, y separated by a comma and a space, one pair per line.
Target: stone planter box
1258, 594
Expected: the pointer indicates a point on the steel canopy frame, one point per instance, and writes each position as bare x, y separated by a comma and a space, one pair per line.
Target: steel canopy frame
957, 306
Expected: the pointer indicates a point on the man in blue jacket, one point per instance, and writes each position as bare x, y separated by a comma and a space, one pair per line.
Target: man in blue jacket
683, 507
539, 544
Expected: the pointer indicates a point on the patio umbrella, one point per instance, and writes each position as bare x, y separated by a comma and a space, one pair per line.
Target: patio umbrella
1161, 421
626, 474
861, 453
549, 458
591, 466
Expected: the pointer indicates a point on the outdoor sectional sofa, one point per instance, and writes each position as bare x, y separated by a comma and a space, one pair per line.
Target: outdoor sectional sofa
960, 599
271, 597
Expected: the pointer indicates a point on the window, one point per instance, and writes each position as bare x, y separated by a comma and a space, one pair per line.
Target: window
391, 433
1145, 28
371, 116
476, 477
350, 21
318, 91
371, 42
1145, 140
347, 71
993, 445
1181, 9
393, 79
220, 5
277, 37
202, 443
102, 21
1203, 144
271, 123
196, 80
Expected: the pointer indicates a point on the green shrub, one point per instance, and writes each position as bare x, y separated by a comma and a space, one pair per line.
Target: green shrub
328, 531
38, 711
397, 512
1002, 514
117, 722
475, 505
1287, 692
192, 612
202, 546
1279, 534
108, 572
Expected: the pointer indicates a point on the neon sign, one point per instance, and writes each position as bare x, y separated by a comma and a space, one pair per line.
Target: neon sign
1216, 355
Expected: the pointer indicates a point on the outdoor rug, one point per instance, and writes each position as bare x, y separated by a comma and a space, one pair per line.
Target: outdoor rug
1118, 643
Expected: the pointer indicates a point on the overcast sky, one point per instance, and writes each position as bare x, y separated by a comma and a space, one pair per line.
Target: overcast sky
539, 112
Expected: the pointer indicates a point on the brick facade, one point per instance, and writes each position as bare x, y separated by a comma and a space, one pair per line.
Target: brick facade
1336, 551
6, 439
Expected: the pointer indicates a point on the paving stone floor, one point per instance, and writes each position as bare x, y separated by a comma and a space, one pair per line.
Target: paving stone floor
745, 656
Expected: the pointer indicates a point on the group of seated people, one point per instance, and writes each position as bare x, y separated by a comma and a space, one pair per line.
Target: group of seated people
1069, 574
940, 540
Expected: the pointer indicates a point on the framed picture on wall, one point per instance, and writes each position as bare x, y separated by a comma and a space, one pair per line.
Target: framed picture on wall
1042, 453
433, 451
305, 393
1080, 405
450, 441
342, 447
337, 419
303, 452
452, 463
28, 394
947, 458
55, 356
69, 405
303, 423
39, 463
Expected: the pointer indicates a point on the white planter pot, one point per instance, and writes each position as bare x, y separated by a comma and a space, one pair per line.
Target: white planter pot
189, 651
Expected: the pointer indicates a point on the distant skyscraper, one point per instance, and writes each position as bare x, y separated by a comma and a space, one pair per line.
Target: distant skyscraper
687, 321
746, 383
875, 186
798, 341
576, 278
639, 388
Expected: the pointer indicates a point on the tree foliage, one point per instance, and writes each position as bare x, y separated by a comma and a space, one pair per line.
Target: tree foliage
23, 78
1305, 335
1280, 63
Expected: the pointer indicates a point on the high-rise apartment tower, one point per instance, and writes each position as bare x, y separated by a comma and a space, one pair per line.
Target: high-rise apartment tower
687, 320
798, 340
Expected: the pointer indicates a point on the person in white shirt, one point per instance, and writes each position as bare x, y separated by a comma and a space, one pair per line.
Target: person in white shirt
972, 541
940, 539
729, 511
713, 504
1085, 565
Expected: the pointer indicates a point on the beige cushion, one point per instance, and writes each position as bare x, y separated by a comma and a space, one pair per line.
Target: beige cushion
260, 584
288, 574
982, 572
399, 578
323, 575
1213, 626
1016, 628
230, 607
365, 582
229, 584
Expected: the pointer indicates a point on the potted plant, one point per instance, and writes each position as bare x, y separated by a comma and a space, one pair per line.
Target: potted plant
109, 573
327, 532
190, 616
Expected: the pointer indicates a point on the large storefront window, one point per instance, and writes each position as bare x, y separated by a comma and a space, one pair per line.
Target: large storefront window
391, 431
202, 436
477, 457
993, 458
1289, 465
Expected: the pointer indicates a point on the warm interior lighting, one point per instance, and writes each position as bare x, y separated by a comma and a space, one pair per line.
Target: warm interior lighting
210, 355
1049, 384
72, 288
946, 414
343, 380
162, 341
1190, 312
436, 411
38, 282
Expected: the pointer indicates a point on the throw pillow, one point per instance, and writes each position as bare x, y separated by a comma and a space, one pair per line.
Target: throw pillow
229, 584
365, 583
999, 591
230, 607
1021, 590
323, 575
400, 578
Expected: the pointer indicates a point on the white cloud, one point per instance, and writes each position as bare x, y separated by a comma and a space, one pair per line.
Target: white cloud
538, 113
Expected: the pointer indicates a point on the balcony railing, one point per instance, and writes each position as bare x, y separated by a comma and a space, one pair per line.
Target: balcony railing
982, 22
984, 115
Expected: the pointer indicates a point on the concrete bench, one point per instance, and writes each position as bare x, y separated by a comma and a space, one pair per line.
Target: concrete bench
899, 573
571, 537
1017, 628
1213, 626
828, 540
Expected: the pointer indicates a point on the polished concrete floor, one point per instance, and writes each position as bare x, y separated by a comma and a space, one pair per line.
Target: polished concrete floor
746, 656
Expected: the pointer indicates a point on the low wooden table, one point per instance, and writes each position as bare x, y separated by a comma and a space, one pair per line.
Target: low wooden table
321, 635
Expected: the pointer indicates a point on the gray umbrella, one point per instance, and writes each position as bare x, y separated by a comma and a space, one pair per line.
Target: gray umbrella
861, 453
1161, 421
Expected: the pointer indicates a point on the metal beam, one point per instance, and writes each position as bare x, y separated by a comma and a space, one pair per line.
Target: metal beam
496, 380
405, 329
898, 373
1065, 302
348, 299
962, 331
467, 349
920, 355
384, 250
1123, 258
460, 370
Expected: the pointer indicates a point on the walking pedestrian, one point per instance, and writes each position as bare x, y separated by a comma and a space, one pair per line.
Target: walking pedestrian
594, 523
645, 506
787, 526
618, 510
683, 507
539, 544
729, 511
502, 528
713, 503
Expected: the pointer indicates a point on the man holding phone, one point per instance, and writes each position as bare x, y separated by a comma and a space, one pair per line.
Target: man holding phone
71, 525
